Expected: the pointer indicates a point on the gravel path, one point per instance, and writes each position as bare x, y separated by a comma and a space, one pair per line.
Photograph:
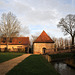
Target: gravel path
8, 65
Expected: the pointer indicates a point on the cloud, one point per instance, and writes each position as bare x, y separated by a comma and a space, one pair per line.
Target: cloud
34, 14
43, 13
42, 17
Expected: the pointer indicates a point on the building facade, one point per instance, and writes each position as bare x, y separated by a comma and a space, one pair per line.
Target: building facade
43, 44
15, 44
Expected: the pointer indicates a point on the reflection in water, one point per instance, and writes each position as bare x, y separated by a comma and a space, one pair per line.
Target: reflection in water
63, 69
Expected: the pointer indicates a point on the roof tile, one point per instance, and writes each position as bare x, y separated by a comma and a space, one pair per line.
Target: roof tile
43, 38
18, 41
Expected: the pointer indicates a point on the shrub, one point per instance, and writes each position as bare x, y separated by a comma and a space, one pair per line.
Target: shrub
6, 50
21, 50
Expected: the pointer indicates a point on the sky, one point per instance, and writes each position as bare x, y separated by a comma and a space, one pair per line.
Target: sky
39, 15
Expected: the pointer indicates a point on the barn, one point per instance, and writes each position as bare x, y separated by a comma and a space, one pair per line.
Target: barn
43, 44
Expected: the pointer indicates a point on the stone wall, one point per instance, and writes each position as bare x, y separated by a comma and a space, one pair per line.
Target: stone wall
38, 47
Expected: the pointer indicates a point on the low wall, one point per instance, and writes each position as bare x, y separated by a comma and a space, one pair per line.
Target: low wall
56, 52
47, 57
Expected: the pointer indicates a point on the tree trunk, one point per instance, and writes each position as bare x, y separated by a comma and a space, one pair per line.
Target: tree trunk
7, 46
7, 43
72, 40
0, 44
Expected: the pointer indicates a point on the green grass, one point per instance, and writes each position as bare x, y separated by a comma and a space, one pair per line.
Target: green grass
33, 65
8, 56
63, 55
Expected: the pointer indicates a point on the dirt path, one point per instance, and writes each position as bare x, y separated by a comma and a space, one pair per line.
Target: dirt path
8, 65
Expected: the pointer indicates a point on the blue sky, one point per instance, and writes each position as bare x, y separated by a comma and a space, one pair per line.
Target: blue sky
39, 15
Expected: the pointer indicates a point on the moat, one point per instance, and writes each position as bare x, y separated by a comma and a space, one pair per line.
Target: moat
63, 68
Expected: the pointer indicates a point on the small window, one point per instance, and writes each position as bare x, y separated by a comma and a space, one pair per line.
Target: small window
19, 42
4, 39
12, 47
10, 40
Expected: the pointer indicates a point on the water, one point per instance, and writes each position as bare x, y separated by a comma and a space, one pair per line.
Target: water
63, 69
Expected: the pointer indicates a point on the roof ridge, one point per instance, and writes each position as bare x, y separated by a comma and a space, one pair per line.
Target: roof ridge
44, 37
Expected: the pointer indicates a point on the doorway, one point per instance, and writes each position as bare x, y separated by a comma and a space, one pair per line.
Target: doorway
44, 50
26, 50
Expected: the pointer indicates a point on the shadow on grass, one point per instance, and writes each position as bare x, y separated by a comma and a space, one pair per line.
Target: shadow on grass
33, 65
7, 56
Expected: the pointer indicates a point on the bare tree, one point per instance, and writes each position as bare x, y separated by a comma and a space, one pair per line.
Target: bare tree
9, 26
24, 30
61, 43
0, 40
34, 37
67, 25
66, 42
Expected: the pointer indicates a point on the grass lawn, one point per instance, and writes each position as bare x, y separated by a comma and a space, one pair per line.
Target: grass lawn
7, 56
33, 65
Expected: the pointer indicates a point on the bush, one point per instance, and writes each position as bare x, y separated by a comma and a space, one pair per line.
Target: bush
21, 50
6, 50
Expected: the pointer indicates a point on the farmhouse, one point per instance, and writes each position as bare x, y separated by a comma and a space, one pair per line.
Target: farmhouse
43, 43
15, 44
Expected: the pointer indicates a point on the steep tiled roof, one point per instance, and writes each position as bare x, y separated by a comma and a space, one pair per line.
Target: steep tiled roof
18, 41
43, 38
